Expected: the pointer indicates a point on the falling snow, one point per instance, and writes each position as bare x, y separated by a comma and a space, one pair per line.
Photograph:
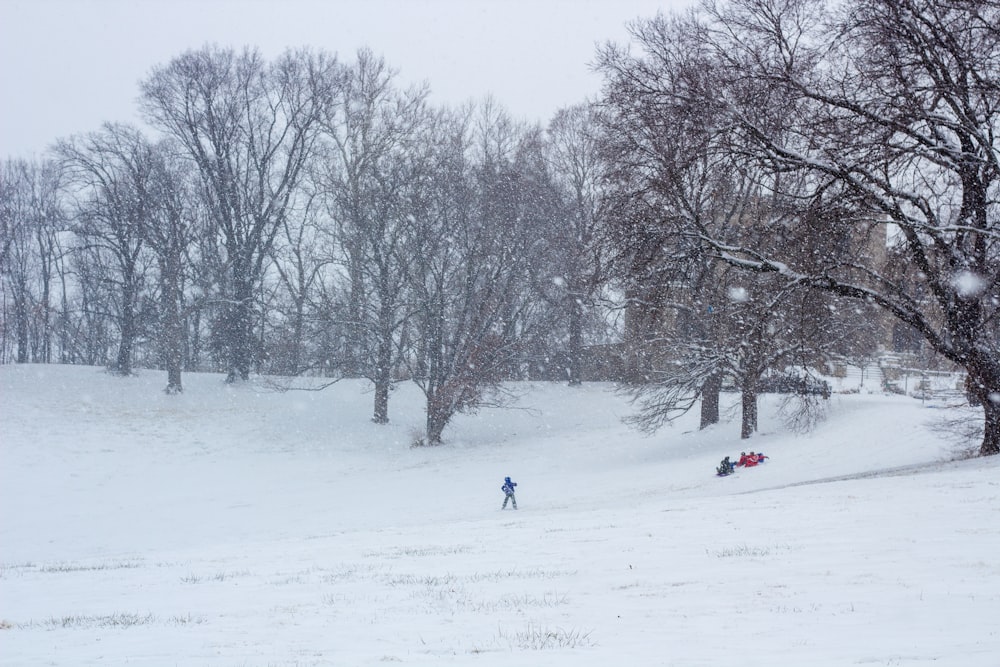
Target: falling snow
968, 285
738, 294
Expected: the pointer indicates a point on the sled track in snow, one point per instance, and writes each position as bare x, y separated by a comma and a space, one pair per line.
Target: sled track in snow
901, 471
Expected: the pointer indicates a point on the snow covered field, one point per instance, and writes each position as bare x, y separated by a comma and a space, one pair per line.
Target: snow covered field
239, 526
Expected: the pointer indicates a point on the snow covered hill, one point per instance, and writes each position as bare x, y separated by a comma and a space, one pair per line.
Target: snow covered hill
243, 526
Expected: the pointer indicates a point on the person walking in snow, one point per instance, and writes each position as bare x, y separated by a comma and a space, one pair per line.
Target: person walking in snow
508, 490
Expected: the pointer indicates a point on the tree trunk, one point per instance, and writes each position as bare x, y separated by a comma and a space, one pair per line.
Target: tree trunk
46, 352
710, 400
174, 385
437, 419
64, 352
991, 427
123, 363
983, 388
383, 373
354, 343
3, 330
575, 341
749, 426
172, 327
381, 412
383, 359
240, 330
194, 353
298, 330
21, 323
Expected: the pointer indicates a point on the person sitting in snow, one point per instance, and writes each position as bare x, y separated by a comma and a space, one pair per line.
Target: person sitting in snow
752, 460
508, 490
726, 467
743, 459
761, 457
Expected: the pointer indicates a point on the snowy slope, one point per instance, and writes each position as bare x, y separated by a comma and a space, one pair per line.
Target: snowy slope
244, 526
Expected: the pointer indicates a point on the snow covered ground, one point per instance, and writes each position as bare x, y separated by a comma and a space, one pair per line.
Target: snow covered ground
240, 526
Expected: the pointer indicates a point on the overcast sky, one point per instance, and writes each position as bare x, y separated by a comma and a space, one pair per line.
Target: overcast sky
66, 66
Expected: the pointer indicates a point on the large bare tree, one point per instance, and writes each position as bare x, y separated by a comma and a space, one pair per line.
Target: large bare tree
470, 272
175, 220
112, 173
577, 255
250, 126
672, 173
376, 165
894, 105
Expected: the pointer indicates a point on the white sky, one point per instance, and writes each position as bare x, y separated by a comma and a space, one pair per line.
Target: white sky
66, 66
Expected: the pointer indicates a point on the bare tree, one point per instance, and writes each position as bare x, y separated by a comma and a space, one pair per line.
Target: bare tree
470, 267
32, 217
667, 167
302, 254
671, 172
577, 261
687, 185
375, 168
112, 177
173, 224
250, 126
894, 106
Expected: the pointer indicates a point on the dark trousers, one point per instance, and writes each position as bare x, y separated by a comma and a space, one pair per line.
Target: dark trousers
510, 497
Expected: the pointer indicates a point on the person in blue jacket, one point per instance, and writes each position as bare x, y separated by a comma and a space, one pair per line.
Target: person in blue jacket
508, 490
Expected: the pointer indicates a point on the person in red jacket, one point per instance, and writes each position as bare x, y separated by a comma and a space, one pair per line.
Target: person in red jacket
743, 459
752, 460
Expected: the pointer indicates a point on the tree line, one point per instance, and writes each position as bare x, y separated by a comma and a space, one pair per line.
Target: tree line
308, 216
756, 180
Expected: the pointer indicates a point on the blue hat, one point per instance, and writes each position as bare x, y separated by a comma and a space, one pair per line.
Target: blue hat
506, 479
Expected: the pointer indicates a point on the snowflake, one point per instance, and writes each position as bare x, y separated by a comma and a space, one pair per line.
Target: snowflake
968, 285
738, 294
